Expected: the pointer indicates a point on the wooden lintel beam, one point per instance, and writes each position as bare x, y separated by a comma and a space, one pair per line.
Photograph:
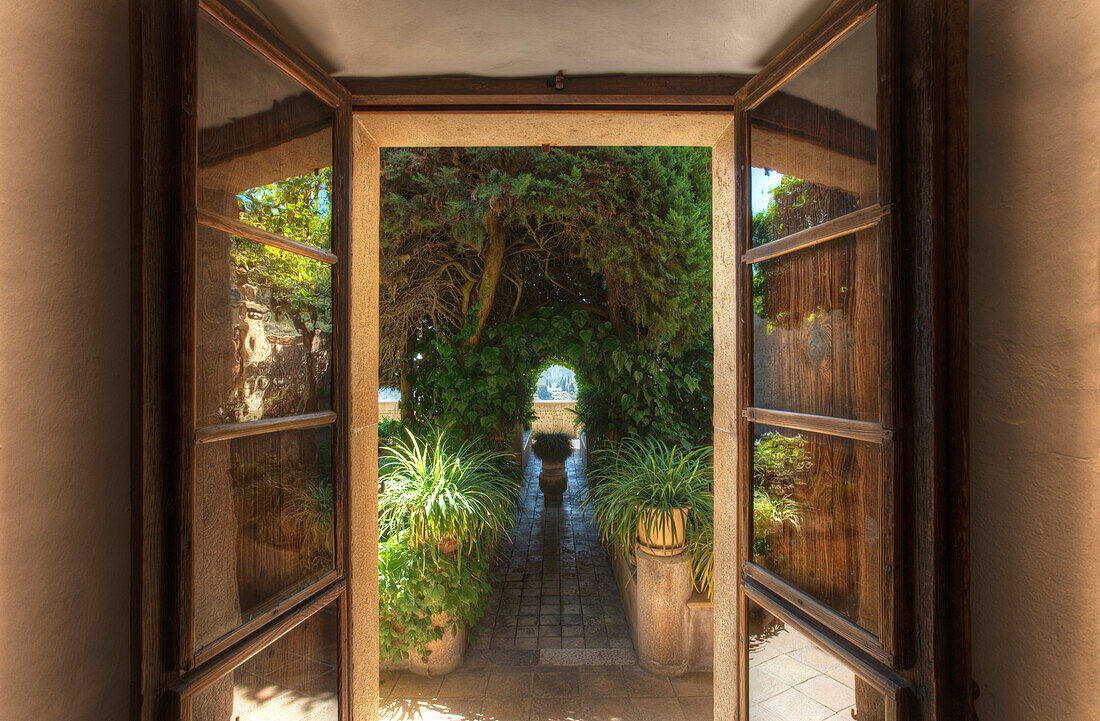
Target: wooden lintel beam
711, 91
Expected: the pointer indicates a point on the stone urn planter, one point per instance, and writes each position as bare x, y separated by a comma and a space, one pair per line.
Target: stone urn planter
444, 655
553, 449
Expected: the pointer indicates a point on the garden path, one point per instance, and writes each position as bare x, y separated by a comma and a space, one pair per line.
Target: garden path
554, 642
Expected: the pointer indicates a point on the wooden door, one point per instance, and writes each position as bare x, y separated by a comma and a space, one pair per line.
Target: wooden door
254, 183
835, 545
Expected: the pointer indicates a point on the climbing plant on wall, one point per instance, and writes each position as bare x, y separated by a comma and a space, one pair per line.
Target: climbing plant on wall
626, 387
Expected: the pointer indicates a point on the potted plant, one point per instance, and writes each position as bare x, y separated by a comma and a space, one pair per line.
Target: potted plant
649, 495
553, 449
427, 603
452, 497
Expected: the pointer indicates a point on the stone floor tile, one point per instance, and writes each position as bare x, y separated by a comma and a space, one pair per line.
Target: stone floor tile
788, 669
411, 686
643, 683
694, 683
558, 709
508, 708
511, 683
610, 709
602, 683
700, 709
828, 692
794, 704
464, 684
556, 684
656, 709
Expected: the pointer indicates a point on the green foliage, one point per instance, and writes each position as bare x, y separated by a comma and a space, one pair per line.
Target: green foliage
296, 290
623, 232
423, 595
770, 512
553, 447
636, 478
625, 387
780, 464
795, 205
388, 429
309, 511
701, 548
440, 489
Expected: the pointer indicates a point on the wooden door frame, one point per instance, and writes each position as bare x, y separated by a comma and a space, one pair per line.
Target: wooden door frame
932, 159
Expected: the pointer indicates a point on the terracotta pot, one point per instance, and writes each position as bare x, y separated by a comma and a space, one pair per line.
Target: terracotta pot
444, 655
658, 537
448, 546
553, 481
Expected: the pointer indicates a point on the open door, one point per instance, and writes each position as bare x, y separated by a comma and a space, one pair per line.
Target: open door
834, 455
246, 526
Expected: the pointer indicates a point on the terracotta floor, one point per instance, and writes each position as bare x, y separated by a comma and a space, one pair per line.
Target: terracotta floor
547, 693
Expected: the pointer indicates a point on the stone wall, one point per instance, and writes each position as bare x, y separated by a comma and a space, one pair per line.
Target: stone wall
389, 409
555, 417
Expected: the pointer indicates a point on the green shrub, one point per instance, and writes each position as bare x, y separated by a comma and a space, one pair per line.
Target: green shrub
552, 447
443, 489
629, 478
414, 585
388, 429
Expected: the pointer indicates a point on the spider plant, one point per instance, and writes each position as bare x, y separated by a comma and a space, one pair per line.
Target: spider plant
701, 549
309, 512
445, 491
771, 510
641, 488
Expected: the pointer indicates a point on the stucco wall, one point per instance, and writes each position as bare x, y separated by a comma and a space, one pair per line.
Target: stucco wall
64, 363
1035, 258
1035, 355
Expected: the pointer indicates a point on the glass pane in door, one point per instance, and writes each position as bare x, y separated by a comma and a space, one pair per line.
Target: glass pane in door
791, 678
818, 509
813, 143
263, 525
265, 142
817, 330
264, 331
294, 679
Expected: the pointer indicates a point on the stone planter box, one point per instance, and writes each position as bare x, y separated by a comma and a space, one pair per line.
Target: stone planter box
675, 627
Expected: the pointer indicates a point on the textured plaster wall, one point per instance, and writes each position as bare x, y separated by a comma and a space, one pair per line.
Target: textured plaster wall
64, 363
1035, 355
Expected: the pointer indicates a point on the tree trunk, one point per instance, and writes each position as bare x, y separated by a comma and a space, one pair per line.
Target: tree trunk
311, 365
614, 309
403, 386
494, 262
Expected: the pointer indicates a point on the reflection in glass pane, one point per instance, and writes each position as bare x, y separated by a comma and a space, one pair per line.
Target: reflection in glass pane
263, 329
294, 679
817, 518
793, 679
817, 330
814, 142
265, 143
263, 524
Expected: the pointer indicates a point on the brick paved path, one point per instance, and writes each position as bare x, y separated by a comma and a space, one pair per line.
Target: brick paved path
555, 588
